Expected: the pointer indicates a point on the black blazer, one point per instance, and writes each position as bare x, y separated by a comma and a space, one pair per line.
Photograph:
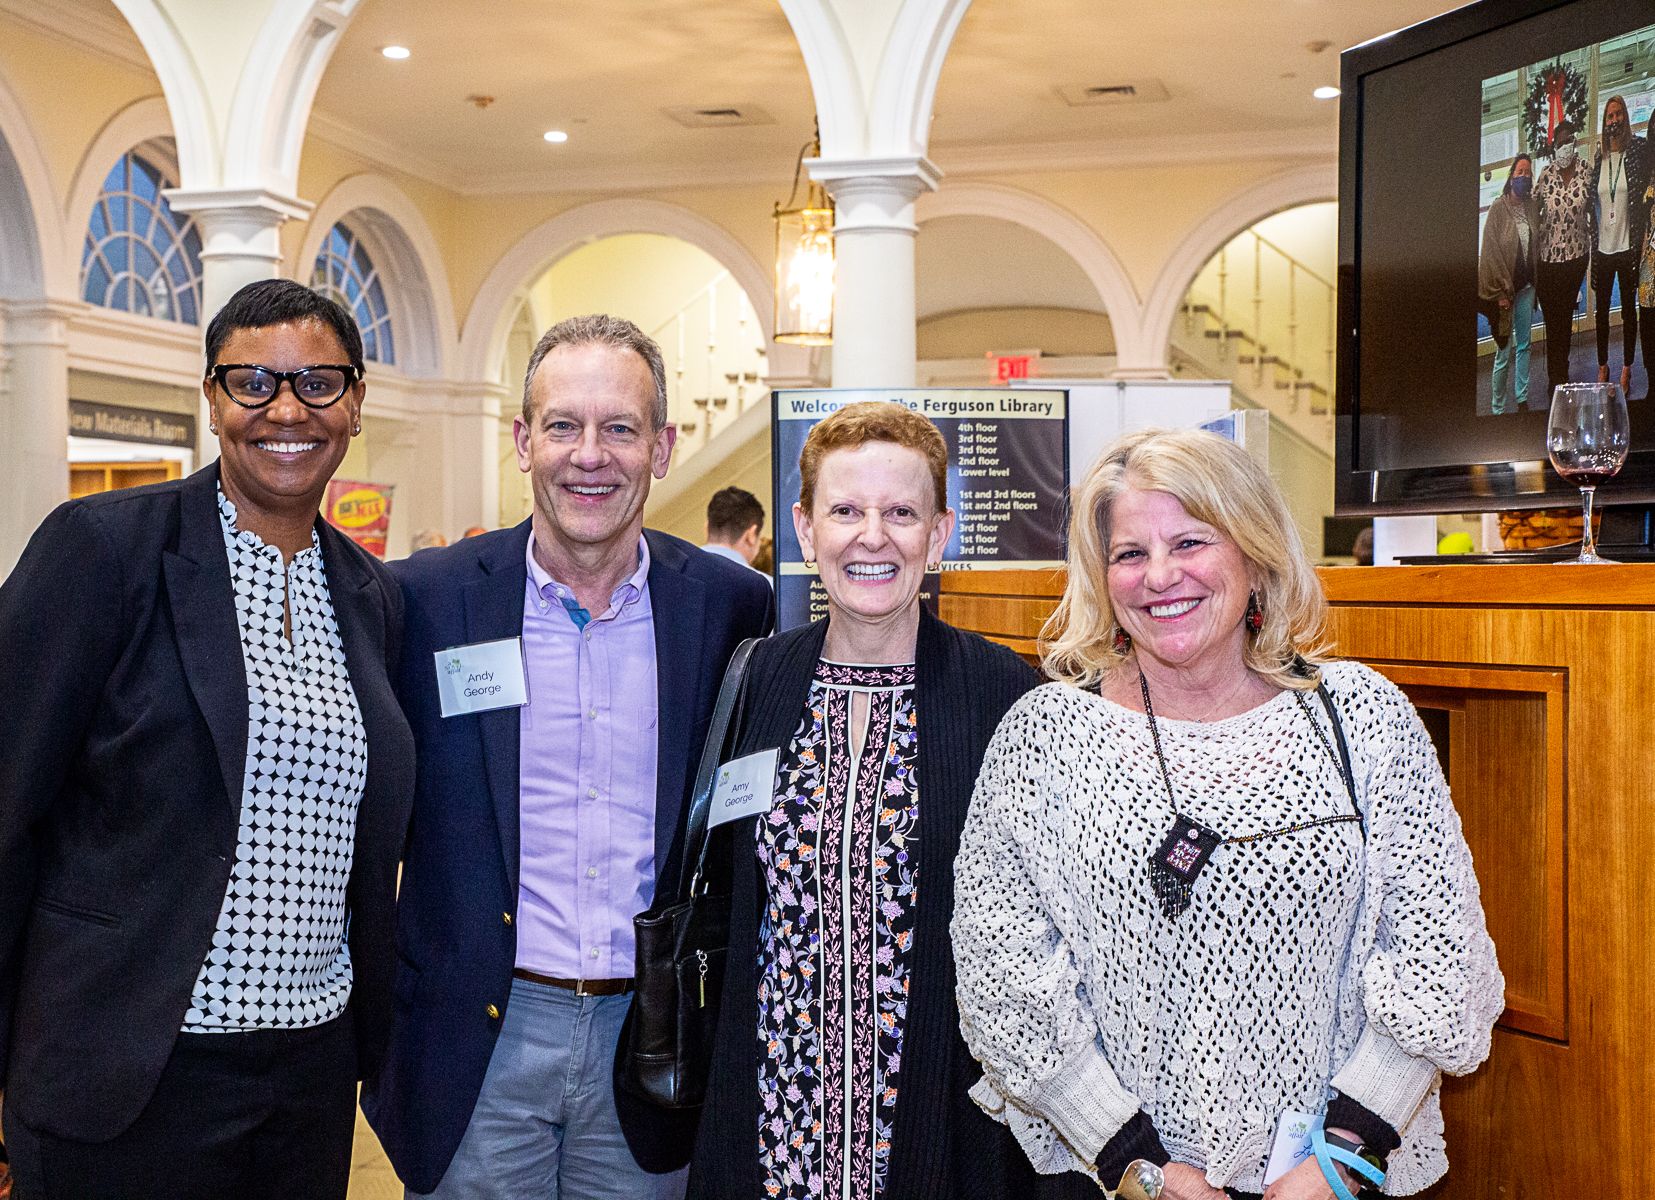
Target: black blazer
121, 786
943, 1146
460, 876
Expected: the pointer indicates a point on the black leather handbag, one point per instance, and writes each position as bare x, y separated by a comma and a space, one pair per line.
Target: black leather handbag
681, 941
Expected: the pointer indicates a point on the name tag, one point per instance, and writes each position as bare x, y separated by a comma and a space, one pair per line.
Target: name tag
482, 677
1292, 1144
743, 787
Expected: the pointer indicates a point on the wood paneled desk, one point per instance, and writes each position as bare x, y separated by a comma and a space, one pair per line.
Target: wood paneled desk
1538, 685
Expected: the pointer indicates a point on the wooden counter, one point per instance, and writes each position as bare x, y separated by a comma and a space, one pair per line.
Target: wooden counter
1538, 685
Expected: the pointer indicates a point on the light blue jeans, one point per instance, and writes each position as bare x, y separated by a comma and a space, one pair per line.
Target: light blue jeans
545, 1124
1522, 328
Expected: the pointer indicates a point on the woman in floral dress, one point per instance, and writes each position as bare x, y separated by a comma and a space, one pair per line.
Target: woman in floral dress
840, 1070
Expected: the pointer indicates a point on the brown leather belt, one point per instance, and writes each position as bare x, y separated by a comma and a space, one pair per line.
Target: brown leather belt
580, 987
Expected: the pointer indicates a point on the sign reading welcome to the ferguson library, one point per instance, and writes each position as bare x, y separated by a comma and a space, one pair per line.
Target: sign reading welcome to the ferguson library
1007, 467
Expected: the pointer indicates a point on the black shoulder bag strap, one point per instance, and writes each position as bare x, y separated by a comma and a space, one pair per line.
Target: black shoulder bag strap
732, 695
1344, 753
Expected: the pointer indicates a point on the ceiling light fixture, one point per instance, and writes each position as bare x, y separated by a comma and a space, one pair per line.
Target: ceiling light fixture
1326, 93
555, 136
804, 260
396, 52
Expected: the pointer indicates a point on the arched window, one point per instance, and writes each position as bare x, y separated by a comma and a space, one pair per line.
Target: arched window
140, 256
345, 272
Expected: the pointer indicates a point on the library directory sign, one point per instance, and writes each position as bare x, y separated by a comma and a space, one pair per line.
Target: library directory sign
1007, 480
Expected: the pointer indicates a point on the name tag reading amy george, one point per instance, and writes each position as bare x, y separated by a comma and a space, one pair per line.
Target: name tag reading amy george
743, 787
482, 677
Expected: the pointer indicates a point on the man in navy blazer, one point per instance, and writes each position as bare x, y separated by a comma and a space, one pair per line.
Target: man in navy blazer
539, 827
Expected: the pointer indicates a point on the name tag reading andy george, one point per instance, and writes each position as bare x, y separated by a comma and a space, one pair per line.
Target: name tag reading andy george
482, 677
743, 787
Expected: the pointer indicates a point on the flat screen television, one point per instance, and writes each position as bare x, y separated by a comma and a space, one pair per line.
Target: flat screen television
1432, 122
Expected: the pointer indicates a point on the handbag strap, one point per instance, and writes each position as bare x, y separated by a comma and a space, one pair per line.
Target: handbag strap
1344, 752
731, 694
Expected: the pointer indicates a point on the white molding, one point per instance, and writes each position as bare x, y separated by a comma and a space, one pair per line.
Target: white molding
1309, 184
335, 131
835, 83
1067, 232
199, 161
958, 158
406, 253
31, 263
488, 321
86, 28
265, 131
905, 84
139, 122
125, 345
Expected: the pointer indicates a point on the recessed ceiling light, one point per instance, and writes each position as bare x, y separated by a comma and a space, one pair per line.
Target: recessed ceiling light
555, 135
397, 52
1326, 93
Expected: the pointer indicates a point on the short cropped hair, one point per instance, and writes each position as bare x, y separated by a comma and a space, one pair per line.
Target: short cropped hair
732, 512
873, 421
268, 302
1219, 484
600, 329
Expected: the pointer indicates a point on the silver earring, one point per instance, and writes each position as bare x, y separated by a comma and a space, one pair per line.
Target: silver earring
357, 430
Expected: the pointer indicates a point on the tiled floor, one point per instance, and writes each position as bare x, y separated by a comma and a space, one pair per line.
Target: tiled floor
371, 1175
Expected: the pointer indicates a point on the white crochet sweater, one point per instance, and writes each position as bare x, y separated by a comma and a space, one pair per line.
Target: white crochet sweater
1305, 962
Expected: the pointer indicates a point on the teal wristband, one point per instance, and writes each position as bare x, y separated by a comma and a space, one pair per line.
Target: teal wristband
1327, 1155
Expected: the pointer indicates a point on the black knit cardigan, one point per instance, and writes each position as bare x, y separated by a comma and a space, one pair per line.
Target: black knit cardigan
943, 1145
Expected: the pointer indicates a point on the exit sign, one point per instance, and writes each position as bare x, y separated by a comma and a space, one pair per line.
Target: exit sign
1022, 365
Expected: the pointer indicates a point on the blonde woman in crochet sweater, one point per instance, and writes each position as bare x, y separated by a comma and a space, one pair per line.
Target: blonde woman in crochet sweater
1178, 918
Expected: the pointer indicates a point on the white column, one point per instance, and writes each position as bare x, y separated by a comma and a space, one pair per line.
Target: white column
34, 401
240, 244
873, 303
458, 457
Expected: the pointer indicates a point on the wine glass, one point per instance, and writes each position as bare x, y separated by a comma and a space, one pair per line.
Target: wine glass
1588, 436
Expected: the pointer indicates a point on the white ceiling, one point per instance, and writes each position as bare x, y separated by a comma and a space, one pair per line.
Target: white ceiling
1238, 76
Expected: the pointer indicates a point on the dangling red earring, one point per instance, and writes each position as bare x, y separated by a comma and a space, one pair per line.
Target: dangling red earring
1255, 614
1123, 642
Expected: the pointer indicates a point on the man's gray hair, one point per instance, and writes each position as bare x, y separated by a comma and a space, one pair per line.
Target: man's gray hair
600, 329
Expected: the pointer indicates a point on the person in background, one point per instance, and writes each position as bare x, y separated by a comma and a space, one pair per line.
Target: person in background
1646, 270
203, 797
838, 1069
427, 539
1180, 915
735, 519
474, 531
1505, 282
1362, 548
764, 560
1619, 219
1562, 201
539, 826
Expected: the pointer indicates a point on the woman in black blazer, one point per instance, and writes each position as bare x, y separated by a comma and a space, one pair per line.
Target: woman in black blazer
839, 1070
203, 799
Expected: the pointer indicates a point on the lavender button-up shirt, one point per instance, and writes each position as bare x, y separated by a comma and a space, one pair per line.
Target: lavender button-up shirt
587, 777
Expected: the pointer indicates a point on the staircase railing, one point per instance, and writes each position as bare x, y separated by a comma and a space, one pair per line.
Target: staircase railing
708, 375
1268, 319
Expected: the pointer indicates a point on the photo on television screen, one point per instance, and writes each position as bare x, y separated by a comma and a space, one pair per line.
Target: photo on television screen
1565, 202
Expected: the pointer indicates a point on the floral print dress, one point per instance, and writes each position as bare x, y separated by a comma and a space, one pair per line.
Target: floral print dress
837, 856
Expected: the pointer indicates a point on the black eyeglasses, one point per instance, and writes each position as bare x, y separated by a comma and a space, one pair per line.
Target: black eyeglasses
253, 386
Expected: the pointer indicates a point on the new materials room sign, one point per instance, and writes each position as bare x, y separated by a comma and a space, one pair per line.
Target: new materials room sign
1007, 472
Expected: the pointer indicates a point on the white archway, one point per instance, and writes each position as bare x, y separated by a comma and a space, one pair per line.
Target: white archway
887, 114
405, 250
139, 122
492, 310
269, 114
1064, 230
1303, 185
32, 263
